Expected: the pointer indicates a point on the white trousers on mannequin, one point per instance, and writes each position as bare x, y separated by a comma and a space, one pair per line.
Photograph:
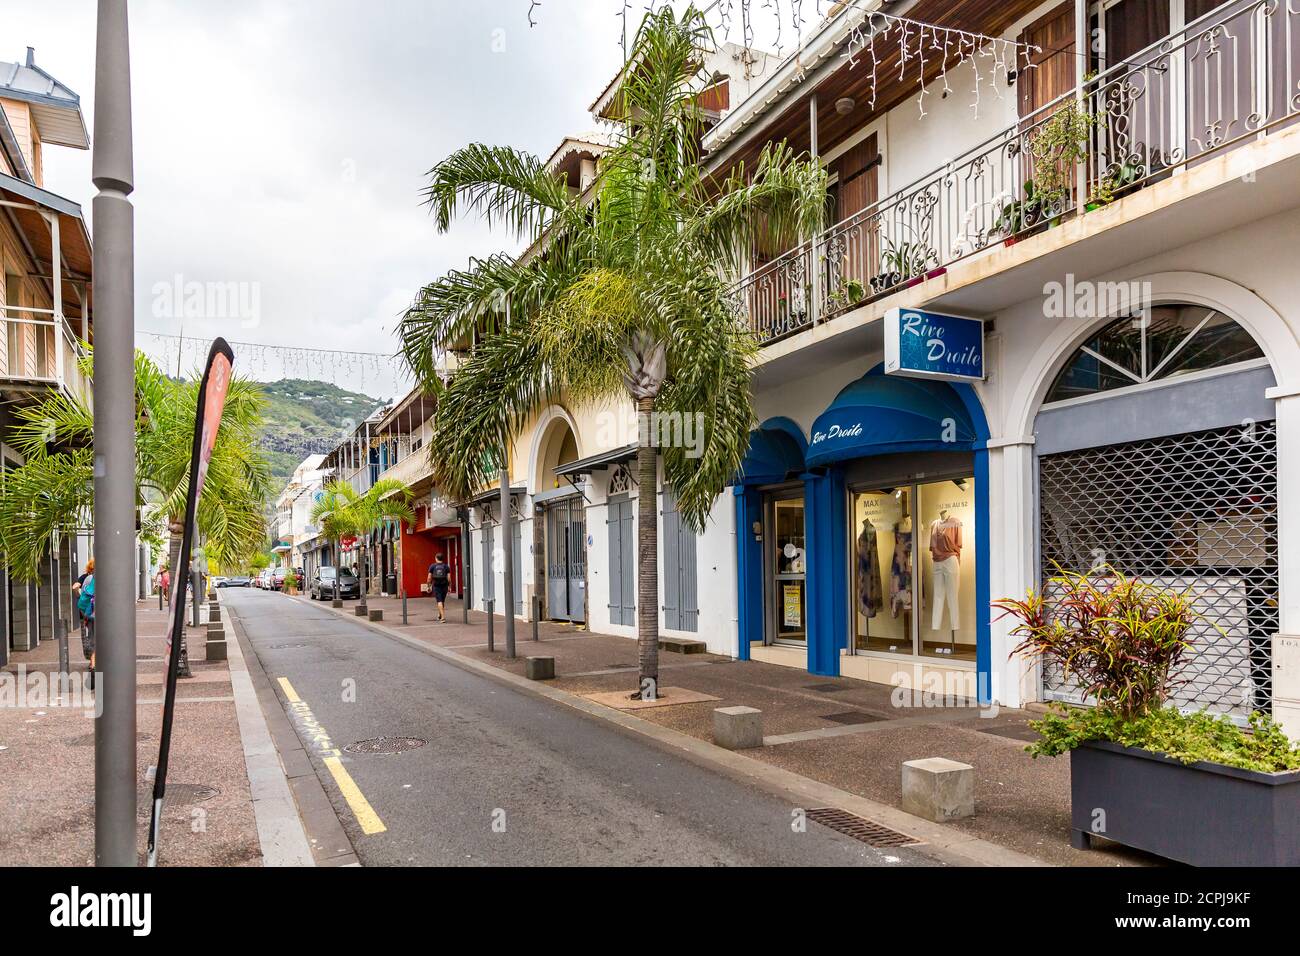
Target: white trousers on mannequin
947, 581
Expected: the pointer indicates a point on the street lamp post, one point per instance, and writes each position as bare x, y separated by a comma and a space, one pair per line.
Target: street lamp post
114, 442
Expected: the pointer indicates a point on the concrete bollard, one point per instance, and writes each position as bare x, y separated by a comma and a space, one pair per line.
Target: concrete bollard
938, 789
539, 668
738, 728
336, 603
359, 610
376, 614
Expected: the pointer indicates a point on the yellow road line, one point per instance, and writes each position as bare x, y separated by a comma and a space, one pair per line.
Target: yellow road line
289, 692
360, 806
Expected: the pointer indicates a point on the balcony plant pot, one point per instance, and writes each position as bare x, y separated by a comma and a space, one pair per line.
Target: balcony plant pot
886, 281
1203, 814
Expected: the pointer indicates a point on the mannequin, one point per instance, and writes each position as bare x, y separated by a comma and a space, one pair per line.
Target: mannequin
870, 587
945, 551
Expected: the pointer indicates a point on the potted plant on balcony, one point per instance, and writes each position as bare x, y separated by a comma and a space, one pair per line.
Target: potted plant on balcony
1061, 142
1019, 216
1192, 787
848, 293
902, 262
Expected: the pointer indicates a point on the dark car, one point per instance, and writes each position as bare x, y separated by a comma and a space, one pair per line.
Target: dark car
277, 578
322, 585
238, 581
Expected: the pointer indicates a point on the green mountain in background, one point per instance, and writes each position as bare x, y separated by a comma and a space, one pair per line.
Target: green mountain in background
306, 417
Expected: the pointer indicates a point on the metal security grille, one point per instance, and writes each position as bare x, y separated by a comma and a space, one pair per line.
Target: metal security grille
1197, 513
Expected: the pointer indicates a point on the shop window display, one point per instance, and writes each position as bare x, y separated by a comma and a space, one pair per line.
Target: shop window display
913, 560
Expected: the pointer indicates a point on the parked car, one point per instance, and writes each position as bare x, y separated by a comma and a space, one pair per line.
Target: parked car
277, 578
264, 580
322, 585
219, 581
238, 581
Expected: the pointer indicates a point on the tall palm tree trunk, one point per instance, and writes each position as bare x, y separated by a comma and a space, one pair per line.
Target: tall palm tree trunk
647, 605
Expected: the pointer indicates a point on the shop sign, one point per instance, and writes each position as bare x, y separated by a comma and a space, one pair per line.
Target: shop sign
792, 605
933, 345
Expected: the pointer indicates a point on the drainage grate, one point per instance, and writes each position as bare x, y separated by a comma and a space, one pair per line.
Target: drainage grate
183, 794
287, 647
865, 831
825, 688
385, 745
850, 717
148, 657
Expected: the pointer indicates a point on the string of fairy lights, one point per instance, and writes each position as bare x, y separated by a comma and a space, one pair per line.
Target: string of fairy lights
179, 355
920, 45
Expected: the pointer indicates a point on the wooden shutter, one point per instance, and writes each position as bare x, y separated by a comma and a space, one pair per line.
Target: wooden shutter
1055, 72
628, 537
859, 172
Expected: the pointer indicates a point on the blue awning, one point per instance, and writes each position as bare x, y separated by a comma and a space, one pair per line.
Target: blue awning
774, 456
884, 415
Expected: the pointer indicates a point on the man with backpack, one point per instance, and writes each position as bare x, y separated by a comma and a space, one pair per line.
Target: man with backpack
439, 580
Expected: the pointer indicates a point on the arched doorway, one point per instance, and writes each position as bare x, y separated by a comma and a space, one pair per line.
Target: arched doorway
1157, 455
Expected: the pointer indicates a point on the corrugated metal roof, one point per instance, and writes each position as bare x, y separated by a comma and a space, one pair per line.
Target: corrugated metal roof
55, 107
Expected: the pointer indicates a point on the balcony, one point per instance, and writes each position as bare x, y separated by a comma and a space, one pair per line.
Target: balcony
38, 351
1225, 81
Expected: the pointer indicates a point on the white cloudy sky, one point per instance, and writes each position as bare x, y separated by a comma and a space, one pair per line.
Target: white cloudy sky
282, 144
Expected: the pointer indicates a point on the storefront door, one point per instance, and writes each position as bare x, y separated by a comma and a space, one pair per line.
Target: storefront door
566, 531
787, 563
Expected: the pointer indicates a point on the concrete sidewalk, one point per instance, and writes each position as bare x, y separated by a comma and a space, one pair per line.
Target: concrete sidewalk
845, 733
47, 761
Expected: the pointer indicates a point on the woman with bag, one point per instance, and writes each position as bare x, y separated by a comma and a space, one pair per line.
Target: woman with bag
86, 608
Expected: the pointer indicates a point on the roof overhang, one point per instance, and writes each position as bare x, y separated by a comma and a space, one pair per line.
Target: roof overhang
31, 205
494, 494
405, 416
822, 47
604, 460
56, 109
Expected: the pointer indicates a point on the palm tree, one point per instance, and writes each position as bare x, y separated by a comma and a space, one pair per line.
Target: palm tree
627, 299
52, 492
342, 511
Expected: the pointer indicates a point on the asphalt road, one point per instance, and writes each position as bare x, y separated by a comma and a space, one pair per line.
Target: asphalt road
506, 778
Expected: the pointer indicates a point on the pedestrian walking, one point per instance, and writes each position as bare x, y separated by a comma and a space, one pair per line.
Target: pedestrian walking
164, 584
439, 579
86, 610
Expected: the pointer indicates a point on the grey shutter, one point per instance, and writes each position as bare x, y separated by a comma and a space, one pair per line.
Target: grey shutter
614, 528
672, 563
688, 588
629, 562
517, 531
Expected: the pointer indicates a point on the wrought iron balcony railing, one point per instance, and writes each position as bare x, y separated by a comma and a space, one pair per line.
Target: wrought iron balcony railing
1229, 77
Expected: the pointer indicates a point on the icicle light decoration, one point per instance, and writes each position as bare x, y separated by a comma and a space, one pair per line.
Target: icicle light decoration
920, 44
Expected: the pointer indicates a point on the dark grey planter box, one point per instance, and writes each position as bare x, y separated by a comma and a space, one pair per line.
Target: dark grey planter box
1204, 814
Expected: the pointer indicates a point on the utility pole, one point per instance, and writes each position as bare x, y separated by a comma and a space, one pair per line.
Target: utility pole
508, 561
114, 277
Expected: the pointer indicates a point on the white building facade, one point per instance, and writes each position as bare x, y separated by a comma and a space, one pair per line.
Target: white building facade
1137, 400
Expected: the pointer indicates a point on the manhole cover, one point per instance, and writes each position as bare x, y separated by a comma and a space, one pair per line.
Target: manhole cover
385, 745
825, 688
1014, 732
850, 717
287, 647
861, 829
88, 740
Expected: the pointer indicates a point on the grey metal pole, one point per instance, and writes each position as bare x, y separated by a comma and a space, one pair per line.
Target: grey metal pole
508, 562
403, 607
114, 276
537, 615
491, 612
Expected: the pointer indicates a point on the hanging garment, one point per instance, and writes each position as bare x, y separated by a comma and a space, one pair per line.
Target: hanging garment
870, 587
945, 539
947, 583
900, 574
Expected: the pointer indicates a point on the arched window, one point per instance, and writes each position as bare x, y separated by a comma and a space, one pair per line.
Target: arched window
1162, 343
